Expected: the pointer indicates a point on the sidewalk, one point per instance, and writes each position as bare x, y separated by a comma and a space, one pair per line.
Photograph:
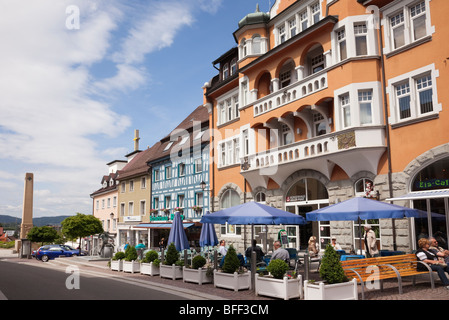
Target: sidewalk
421, 290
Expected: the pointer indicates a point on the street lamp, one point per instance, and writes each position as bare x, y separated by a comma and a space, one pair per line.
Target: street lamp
203, 186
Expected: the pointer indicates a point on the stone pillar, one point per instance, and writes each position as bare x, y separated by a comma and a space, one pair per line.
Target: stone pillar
27, 211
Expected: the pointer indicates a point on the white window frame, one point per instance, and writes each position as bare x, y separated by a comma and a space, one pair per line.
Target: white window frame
365, 97
415, 112
405, 7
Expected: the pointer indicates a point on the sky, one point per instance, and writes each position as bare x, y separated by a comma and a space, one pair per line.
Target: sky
78, 77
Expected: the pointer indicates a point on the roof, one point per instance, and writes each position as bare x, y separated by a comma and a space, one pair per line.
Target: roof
255, 18
172, 142
107, 178
138, 165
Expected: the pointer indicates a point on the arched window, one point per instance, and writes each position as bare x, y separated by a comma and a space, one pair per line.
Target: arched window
230, 198
363, 187
260, 197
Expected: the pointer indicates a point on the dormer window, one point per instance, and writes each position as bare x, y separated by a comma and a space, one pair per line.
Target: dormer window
225, 73
233, 67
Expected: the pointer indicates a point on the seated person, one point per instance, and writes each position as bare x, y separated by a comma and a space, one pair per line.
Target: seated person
222, 248
257, 249
313, 247
424, 255
279, 252
442, 254
335, 245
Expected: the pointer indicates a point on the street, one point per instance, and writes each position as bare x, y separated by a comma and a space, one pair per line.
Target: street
48, 282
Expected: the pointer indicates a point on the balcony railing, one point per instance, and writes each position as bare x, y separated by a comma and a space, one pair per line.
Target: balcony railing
293, 92
328, 144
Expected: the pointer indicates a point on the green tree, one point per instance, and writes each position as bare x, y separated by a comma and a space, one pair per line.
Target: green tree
80, 226
231, 262
42, 234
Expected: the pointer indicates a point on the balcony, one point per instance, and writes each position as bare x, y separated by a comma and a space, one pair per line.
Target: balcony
293, 92
354, 150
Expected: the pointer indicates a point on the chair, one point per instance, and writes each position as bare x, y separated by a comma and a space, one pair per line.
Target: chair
293, 257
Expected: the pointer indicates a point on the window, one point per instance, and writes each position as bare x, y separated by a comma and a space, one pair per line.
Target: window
315, 8
181, 198
245, 143
418, 17
225, 71
282, 35
109, 202
407, 22
114, 201
398, 29
130, 208
199, 200
182, 169
102, 204
230, 198
123, 187
131, 185
167, 201
122, 209
292, 27
157, 175
425, 96
156, 203
341, 38
319, 123
168, 146
365, 106
233, 67
257, 49
228, 109
260, 197
98, 204
198, 165
414, 95
317, 63
168, 173
143, 183
346, 110
142, 207
303, 19
403, 100
360, 32
287, 137
363, 187
285, 78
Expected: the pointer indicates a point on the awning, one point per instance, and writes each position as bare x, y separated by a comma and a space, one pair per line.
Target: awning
162, 225
418, 195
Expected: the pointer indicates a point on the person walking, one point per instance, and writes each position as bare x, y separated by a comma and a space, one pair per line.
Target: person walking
370, 242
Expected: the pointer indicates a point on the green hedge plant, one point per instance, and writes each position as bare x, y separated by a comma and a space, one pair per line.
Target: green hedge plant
172, 255
331, 270
198, 262
130, 254
119, 256
231, 262
150, 256
277, 268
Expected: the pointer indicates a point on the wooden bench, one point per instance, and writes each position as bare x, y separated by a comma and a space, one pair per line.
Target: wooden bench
381, 268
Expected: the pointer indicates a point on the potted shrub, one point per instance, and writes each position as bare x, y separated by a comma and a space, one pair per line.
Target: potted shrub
131, 264
335, 285
278, 284
172, 267
117, 261
149, 265
197, 273
229, 278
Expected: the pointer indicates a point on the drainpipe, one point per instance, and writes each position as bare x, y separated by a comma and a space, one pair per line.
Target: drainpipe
387, 129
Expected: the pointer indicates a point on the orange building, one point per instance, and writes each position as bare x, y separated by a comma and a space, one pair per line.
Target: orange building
324, 100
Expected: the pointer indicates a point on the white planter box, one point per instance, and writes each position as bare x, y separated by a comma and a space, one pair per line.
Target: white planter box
279, 288
131, 266
196, 275
172, 272
149, 269
338, 291
234, 281
116, 265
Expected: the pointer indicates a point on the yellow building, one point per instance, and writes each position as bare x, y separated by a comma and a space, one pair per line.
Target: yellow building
324, 100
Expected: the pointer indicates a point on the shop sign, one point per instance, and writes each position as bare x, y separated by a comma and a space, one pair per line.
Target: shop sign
434, 183
295, 198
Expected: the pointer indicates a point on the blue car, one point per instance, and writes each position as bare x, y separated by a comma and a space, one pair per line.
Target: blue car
75, 252
50, 252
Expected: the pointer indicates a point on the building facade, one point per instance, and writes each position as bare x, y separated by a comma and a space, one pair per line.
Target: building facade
324, 100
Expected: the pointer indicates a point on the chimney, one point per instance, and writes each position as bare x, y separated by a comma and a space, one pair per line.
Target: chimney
136, 140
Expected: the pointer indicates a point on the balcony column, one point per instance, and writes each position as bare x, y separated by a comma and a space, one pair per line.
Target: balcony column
254, 93
328, 58
300, 72
275, 84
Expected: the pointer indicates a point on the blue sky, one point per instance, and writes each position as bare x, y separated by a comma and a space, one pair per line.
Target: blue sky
72, 93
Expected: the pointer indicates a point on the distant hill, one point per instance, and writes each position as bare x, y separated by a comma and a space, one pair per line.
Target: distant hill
37, 222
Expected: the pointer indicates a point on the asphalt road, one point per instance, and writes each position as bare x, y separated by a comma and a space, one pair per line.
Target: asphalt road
27, 282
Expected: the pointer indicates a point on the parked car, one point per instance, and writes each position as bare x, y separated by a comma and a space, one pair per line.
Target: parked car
50, 252
76, 252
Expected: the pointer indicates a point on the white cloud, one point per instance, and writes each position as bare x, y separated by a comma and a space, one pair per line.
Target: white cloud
54, 106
